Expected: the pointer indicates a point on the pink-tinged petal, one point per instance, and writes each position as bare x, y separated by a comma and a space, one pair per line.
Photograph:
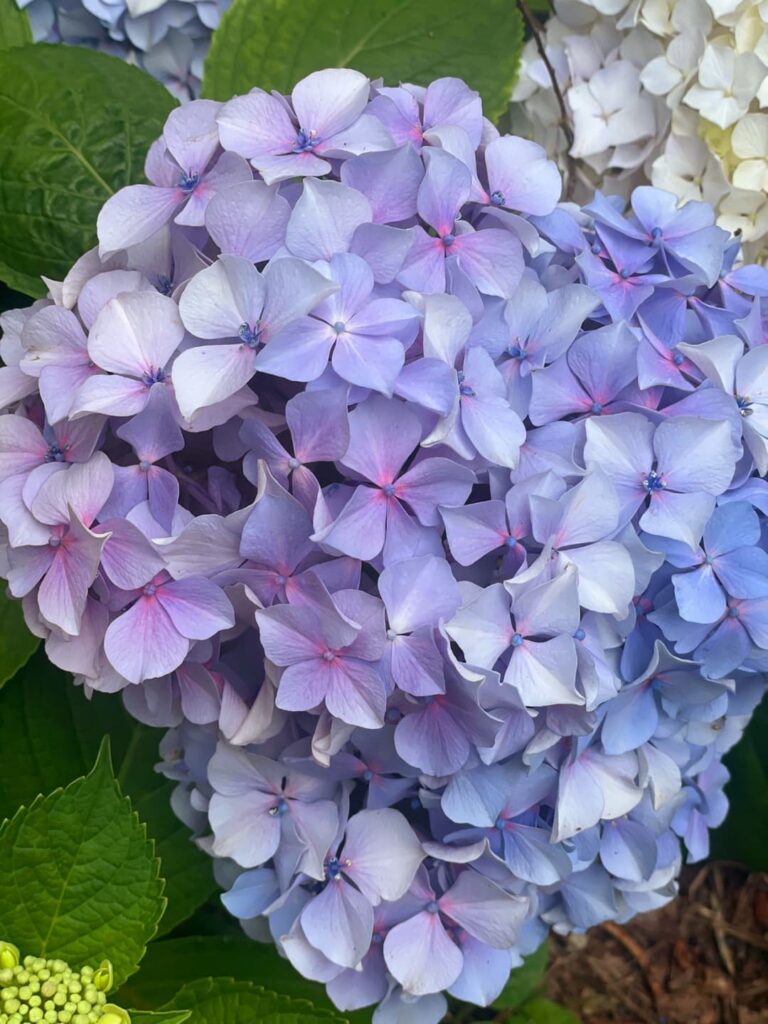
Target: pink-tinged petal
324, 219
381, 854
326, 102
222, 298
494, 428
81, 654
451, 101
390, 180
197, 607
383, 248
356, 693
383, 434
83, 487
110, 396
555, 393
421, 956
484, 910
419, 592
678, 516
621, 446
520, 171
368, 361
302, 686
128, 558
249, 220
256, 125
544, 673
424, 267
14, 385
23, 529
475, 530
444, 190
136, 334
695, 454
64, 590
359, 529
142, 643
22, 446
134, 213
434, 482
416, 665
210, 374
243, 829
191, 134
366, 135
491, 259
299, 352
293, 290
431, 740
59, 385
27, 566
319, 424
339, 922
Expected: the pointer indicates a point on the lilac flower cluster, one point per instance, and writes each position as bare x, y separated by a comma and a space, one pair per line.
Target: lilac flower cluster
428, 513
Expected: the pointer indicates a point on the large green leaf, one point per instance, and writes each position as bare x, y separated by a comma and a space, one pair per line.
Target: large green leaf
543, 1011
744, 834
75, 126
274, 43
174, 962
14, 26
17, 645
160, 1017
225, 1001
525, 980
80, 878
50, 734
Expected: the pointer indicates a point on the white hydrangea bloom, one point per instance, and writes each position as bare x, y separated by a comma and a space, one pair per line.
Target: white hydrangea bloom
168, 38
671, 91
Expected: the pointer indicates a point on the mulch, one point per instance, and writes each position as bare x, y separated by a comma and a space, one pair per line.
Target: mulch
703, 959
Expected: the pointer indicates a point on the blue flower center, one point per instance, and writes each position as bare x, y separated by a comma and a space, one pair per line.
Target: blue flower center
654, 482
678, 358
733, 613
497, 198
656, 234
595, 248
339, 327
150, 590
448, 240
250, 336
145, 466
333, 869
305, 141
510, 542
188, 182
432, 907
393, 715
54, 541
465, 389
367, 775
516, 352
280, 808
389, 490
579, 634
157, 376
517, 639
744, 405
54, 454
597, 408
624, 274
294, 463
164, 285
500, 824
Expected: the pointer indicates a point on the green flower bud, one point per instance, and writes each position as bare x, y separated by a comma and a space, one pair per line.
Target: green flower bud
112, 1014
9, 955
103, 977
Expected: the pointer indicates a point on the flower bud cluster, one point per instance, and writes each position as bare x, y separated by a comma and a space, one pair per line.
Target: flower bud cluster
36, 990
427, 512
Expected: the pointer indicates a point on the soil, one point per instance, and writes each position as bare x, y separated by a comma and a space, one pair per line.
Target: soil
703, 959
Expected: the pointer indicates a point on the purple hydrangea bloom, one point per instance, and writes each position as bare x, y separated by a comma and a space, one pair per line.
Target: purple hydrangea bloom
427, 513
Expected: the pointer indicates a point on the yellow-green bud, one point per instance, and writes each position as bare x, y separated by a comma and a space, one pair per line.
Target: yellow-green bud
9, 956
112, 1014
103, 976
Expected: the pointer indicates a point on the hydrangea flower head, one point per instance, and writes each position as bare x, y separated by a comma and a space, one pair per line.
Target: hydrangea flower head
426, 513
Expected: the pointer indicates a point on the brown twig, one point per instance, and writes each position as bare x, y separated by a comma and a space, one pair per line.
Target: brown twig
640, 956
738, 933
565, 122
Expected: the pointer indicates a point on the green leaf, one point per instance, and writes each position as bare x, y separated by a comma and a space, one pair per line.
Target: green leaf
525, 980
14, 26
41, 702
17, 645
744, 834
174, 962
226, 1001
80, 878
161, 1017
544, 1011
75, 125
274, 43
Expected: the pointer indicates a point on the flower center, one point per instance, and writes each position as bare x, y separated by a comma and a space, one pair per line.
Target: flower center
333, 869
744, 404
389, 490
157, 376
654, 482
465, 389
339, 327
448, 240
517, 639
150, 590
305, 141
497, 198
280, 808
432, 907
516, 352
188, 182
54, 454
250, 336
